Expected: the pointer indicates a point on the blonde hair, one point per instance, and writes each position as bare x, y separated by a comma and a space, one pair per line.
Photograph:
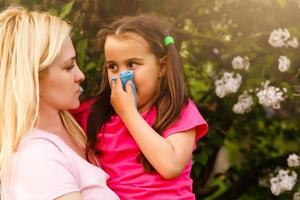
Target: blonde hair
29, 43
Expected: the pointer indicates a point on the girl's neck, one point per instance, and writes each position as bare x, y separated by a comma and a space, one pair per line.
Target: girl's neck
147, 106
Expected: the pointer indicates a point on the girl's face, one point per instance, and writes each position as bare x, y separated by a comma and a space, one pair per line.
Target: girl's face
59, 86
131, 52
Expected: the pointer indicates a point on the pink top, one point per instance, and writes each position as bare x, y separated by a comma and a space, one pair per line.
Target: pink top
119, 152
45, 168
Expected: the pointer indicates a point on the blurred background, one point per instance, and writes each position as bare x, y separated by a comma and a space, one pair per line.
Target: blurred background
242, 65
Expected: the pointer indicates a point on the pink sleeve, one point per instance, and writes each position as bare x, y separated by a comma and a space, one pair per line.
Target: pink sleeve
189, 118
41, 171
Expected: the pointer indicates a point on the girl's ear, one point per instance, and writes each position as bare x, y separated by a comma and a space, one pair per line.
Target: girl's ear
163, 62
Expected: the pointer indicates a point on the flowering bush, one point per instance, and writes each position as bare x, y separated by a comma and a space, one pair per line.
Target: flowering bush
268, 96
253, 69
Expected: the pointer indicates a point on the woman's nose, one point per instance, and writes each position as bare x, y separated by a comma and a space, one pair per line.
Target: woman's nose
79, 75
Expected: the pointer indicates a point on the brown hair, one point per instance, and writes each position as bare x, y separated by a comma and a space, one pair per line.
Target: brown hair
172, 91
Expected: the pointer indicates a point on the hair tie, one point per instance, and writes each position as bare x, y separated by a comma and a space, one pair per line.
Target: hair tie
168, 41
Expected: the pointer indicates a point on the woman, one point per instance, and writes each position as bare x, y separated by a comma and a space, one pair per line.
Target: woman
42, 147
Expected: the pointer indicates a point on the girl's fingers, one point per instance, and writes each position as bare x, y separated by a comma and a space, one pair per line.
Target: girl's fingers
119, 84
128, 87
116, 84
113, 83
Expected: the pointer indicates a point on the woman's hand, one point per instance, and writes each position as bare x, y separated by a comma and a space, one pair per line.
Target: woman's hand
122, 101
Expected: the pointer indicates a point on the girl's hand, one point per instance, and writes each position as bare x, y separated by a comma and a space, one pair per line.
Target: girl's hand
122, 101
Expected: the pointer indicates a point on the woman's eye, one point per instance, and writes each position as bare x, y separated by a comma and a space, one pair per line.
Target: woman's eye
70, 67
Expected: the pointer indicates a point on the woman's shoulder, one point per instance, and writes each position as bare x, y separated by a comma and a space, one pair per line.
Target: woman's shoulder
40, 143
41, 158
41, 148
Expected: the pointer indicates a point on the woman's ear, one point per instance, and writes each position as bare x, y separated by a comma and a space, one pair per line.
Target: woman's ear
163, 62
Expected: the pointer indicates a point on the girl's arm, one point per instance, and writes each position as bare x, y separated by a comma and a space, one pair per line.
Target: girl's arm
168, 156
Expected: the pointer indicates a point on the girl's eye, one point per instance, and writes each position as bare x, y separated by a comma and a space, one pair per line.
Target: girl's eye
132, 65
111, 66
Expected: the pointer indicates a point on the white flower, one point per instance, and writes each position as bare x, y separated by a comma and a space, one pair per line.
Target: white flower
283, 182
275, 186
287, 181
279, 37
243, 105
227, 38
284, 63
293, 43
229, 83
240, 63
216, 51
270, 96
282, 38
293, 160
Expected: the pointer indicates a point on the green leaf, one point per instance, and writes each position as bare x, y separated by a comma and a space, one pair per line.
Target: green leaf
53, 11
81, 47
202, 158
8, 2
222, 187
66, 9
90, 66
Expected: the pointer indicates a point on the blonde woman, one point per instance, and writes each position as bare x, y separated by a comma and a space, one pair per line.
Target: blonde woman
43, 151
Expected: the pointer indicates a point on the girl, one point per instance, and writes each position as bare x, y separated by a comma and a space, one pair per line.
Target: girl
146, 149
42, 148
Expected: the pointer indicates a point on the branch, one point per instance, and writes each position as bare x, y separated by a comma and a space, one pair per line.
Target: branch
189, 12
254, 35
187, 34
296, 76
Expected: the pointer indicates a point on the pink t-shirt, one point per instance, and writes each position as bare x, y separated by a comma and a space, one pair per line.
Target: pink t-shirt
119, 152
45, 168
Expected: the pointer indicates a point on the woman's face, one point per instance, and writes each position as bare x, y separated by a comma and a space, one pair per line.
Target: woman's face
132, 52
59, 86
